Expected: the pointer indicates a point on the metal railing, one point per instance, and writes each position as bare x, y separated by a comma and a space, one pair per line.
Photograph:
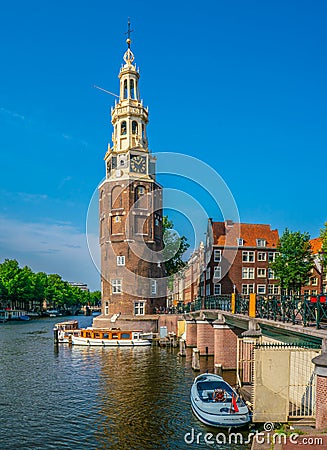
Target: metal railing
303, 310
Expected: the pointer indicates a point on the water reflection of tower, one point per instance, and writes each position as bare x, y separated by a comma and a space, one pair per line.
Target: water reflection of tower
130, 203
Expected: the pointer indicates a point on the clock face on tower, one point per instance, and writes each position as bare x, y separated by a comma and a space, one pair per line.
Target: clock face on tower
138, 164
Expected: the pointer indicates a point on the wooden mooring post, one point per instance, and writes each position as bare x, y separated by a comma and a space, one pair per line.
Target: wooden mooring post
182, 347
196, 359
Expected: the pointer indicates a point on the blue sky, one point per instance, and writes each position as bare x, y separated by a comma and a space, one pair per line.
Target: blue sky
241, 85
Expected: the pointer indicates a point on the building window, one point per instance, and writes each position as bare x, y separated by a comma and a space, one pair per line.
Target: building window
208, 289
208, 273
217, 272
261, 242
120, 260
272, 256
123, 128
240, 242
271, 274
116, 286
134, 127
247, 256
273, 289
261, 289
247, 289
261, 272
153, 286
314, 292
106, 310
217, 255
261, 256
217, 289
139, 308
248, 273
314, 281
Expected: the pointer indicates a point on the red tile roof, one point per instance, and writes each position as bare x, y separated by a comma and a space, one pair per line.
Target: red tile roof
315, 245
249, 232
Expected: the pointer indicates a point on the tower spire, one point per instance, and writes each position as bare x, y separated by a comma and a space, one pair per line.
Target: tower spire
128, 32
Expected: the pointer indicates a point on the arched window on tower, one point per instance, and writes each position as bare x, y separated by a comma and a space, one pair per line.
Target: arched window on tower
125, 89
132, 89
134, 127
141, 199
116, 197
123, 128
143, 131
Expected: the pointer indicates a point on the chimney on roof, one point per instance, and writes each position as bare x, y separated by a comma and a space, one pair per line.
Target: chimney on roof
229, 223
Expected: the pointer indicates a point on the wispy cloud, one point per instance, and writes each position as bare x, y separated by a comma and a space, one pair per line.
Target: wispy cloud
12, 114
52, 248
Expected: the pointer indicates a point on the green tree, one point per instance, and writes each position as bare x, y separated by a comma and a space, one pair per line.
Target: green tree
294, 261
174, 249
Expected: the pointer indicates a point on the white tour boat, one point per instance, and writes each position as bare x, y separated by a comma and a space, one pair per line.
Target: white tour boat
111, 337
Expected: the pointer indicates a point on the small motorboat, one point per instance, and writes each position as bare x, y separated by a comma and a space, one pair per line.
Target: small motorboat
215, 403
64, 330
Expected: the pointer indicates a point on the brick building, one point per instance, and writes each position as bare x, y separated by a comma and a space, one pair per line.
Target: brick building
235, 258
318, 277
130, 204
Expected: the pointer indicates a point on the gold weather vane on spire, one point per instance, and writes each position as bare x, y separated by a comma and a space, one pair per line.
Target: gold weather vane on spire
129, 57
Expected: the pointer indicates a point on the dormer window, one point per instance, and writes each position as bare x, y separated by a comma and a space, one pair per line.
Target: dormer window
240, 242
134, 127
123, 128
261, 242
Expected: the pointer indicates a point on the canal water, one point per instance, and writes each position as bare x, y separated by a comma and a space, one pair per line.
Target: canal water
95, 398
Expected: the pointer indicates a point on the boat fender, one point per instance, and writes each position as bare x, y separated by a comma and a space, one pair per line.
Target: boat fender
103, 343
219, 395
88, 342
132, 343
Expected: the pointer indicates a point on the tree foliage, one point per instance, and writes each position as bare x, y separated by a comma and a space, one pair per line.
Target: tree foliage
323, 253
22, 288
295, 260
175, 247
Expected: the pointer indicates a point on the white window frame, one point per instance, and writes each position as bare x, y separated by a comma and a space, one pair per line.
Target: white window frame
272, 256
217, 273
273, 289
261, 272
314, 281
240, 242
271, 274
261, 242
261, 256
208, 273
247, 273
261, 289
120, 260
153, 287
207, 289
248, 289
248, 256
217, 289
139, 308
217, 255
116, 286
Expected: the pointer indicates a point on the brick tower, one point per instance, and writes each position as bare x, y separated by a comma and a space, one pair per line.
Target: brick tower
130, 204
